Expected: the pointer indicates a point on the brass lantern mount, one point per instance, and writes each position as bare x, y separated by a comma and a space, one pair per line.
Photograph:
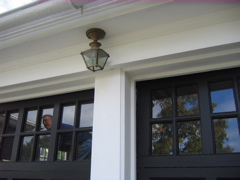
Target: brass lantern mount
95, 58
95, 34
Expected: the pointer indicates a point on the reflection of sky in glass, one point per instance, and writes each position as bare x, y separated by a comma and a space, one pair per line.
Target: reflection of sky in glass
233, 135
68, 115
31, 116
187, 100
158, 111
48, 111
188, 105
12, 123
224, 99
27, 140
86, 119
31, 119
162, 103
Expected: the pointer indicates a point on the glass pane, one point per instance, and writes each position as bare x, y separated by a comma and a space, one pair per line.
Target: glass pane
178, 178
189, 137
42, 148
2, 118
90, 57
222, 97
46, 111
67, 179
162, 139
228, 178
27, 179
162, 103
86, 117
12, 123
227, 135
84, 146
187, 101
68, 113
30, 121
7, 148
26, 148
64, 146
102, 57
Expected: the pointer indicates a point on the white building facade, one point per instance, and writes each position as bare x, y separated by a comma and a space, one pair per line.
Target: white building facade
146, 40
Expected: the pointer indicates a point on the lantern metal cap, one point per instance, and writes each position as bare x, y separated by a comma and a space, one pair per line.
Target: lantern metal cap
95, 34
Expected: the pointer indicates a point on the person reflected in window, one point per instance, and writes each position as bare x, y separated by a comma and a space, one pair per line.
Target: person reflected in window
84, 139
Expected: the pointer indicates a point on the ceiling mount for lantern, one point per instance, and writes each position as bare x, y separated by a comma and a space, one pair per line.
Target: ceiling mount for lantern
95, 58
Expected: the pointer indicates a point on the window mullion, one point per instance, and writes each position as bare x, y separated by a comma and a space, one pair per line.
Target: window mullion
77, 115
237, 94
174, 122
206, 121
53, 135
17, 138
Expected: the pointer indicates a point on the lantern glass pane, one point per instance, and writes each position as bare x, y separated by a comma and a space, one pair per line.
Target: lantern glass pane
102, 58
90, 57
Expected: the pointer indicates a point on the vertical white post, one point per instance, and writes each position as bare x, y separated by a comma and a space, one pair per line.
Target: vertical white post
106, 149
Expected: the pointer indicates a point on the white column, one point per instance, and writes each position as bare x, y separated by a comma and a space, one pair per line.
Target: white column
109, 126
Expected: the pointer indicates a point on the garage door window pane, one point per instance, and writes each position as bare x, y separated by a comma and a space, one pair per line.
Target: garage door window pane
12, 123
42, 148
187, 100
189, 136
162, 103
84, 146
45, 111
68, 114
64, 146
86, 118
30, 121
26, 148
7, 148
227, 135
222, 97
162, 139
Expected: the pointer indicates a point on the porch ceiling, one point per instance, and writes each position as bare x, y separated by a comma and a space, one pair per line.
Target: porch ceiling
53, 26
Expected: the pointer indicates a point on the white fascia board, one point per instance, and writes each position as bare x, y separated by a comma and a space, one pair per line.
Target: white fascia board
64, 17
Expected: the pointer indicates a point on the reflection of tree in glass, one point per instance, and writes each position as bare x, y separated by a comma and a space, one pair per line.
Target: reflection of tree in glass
185, 101
26, 150
220, 127
44, 141
162, 139
165, 105
189, 137
189, 132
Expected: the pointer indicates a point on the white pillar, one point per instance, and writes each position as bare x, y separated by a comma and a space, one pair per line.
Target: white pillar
109, 127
